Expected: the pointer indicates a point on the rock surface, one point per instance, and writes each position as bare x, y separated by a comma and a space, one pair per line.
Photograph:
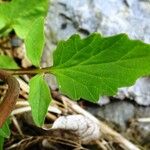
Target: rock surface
109, 17
140, 91
118, 112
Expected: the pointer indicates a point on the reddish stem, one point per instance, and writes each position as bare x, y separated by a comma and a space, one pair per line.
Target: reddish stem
9, 101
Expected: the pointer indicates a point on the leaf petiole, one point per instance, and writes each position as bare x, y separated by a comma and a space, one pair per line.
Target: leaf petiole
27, 71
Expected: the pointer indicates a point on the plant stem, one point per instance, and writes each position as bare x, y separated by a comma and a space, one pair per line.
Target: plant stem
9, 101
27, 71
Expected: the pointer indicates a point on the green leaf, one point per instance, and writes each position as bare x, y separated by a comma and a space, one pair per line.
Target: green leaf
39, 98
26, 17
20, 14
5, 131
35, 41
94, 66
7, 62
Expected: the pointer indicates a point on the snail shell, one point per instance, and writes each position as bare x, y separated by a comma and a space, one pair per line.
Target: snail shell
86, 129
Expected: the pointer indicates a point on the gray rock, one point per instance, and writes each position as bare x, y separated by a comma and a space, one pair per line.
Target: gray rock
16, 42
103, 100
140, 91
117, 112
109, 17
120, 113
142, 112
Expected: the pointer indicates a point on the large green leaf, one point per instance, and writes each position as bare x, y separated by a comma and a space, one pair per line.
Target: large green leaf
94, 66
20, 14
7, 62
35, 41
39, 98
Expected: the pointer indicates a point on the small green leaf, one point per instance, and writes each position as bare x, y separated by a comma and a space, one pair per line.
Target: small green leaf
94, 66
20, 14
39, 98
35, 41
5, 131
7, 62
1, 142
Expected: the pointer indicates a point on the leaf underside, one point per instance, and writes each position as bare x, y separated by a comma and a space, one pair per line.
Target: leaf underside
5, 131
35, 41
7, 62
94, 66
39, 98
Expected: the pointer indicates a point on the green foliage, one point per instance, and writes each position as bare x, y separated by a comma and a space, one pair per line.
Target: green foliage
5, 131
21, 14
84, 68
26, 17
87, 68
35, 41
1, 142
39, 98
7, 62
